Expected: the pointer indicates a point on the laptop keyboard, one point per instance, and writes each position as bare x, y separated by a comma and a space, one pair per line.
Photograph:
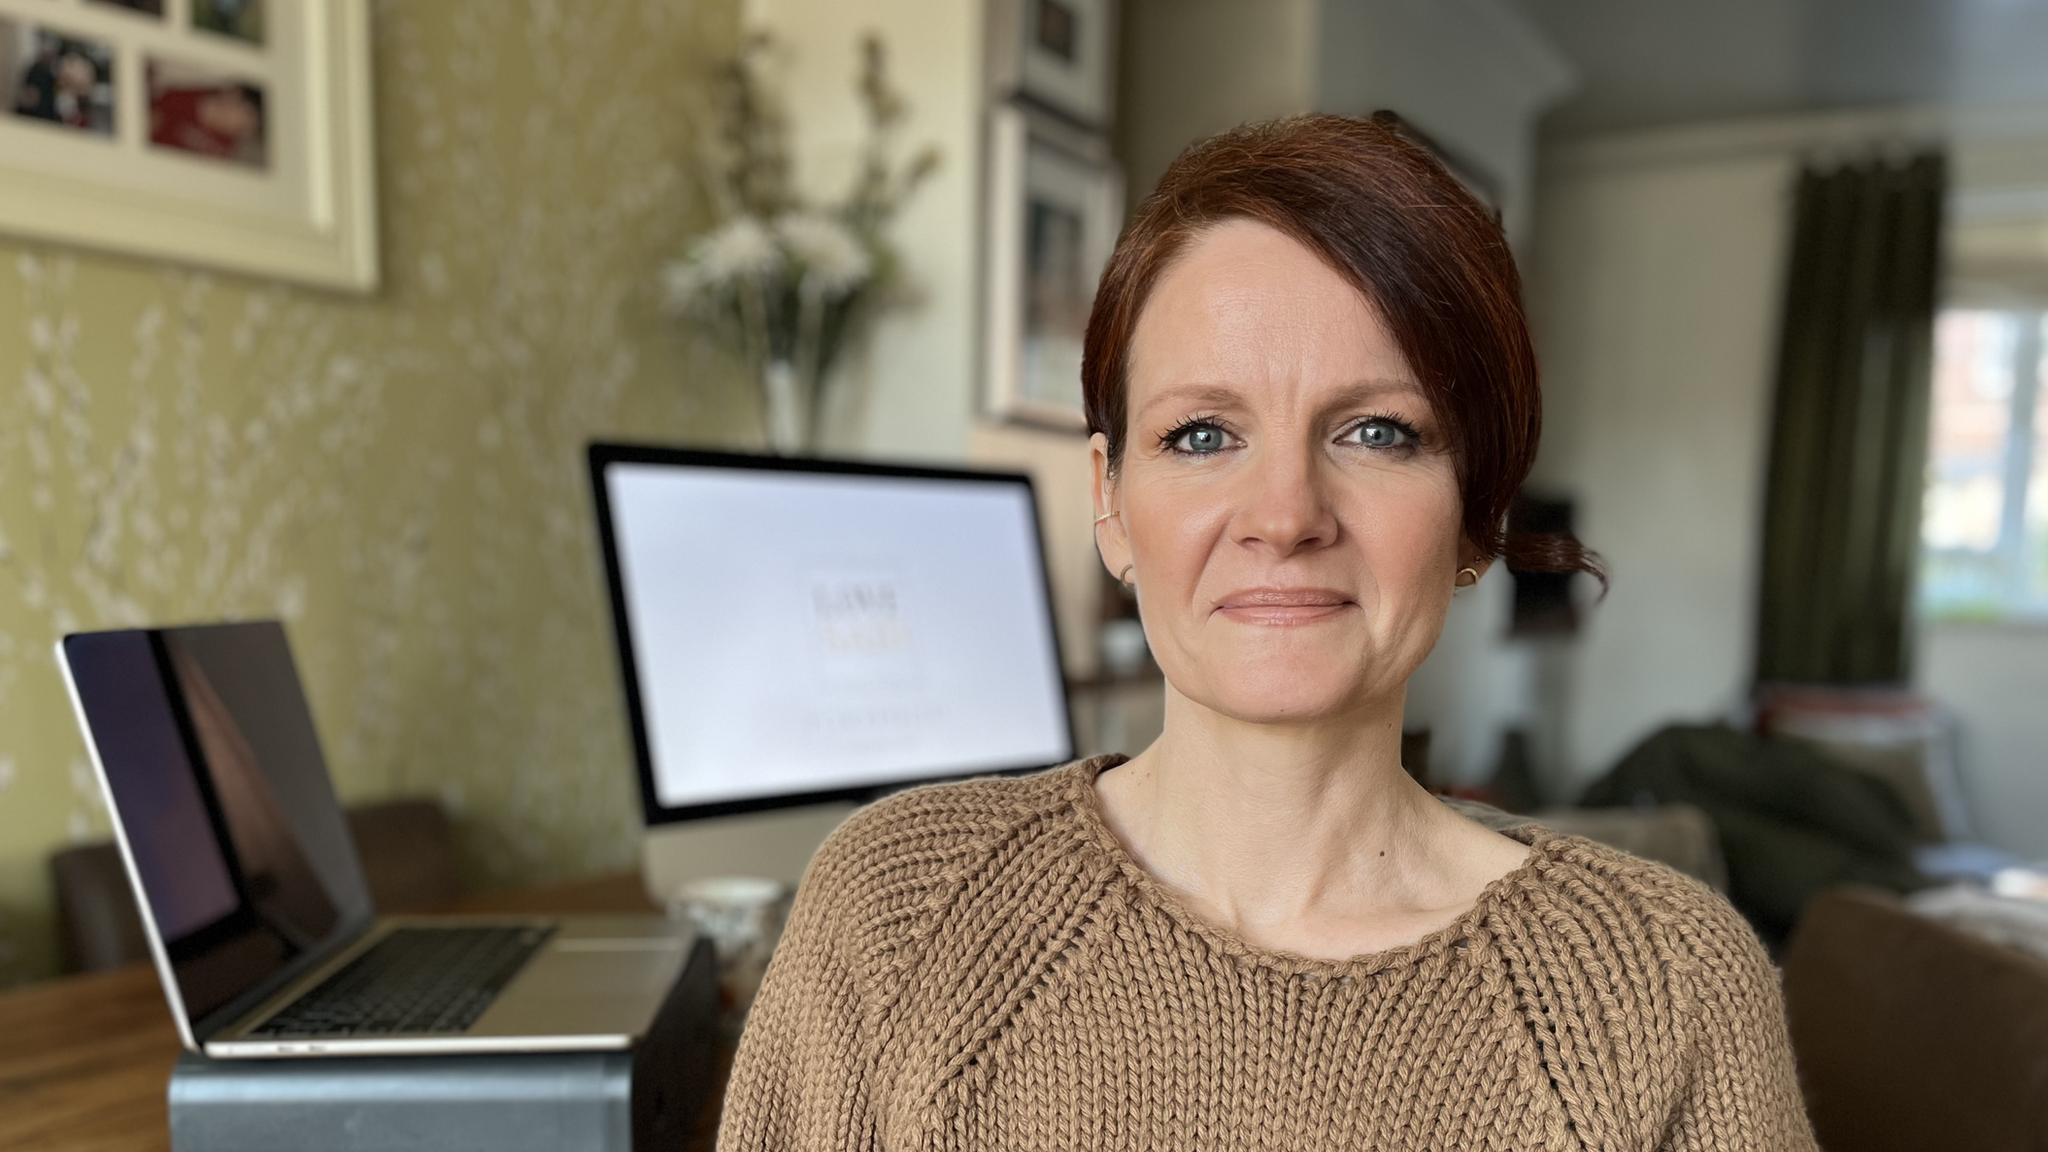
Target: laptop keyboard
415, 980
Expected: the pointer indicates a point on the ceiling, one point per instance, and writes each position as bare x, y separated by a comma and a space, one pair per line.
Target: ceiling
1652, 62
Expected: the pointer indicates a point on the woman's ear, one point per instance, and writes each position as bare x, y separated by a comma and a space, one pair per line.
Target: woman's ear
1468, 558
1112, 538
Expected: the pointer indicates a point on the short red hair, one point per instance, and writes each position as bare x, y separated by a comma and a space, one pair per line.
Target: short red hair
1430, 258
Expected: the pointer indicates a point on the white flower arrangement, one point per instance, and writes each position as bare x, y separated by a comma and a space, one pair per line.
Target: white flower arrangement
818, 253
789, 283
830, 260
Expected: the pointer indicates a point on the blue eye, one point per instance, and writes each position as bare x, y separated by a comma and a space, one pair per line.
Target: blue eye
1382, 432
1199, 439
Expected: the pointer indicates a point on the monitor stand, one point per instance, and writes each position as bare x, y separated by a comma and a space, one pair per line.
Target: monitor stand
775, 845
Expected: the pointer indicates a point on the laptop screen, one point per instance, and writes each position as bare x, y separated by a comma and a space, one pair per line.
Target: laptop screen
222, 798
797, 630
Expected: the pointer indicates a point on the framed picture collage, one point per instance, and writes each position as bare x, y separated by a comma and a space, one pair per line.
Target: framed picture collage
232, 134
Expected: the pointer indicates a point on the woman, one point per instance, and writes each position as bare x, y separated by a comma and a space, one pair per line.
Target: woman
1312, 395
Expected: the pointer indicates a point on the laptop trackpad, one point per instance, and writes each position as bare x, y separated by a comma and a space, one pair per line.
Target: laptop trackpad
589, 983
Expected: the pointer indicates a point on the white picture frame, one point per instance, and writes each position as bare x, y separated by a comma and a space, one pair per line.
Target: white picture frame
1055, 206
246, 146
1060, 54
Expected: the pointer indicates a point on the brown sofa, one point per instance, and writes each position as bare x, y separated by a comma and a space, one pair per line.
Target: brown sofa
1912, 1034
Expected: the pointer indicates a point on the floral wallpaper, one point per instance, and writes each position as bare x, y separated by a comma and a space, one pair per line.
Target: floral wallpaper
399, 477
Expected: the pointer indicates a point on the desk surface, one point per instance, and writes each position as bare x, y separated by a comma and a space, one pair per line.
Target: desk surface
84, 1059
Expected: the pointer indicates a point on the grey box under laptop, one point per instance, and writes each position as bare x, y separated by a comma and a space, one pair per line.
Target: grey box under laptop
255, 906
647, 1097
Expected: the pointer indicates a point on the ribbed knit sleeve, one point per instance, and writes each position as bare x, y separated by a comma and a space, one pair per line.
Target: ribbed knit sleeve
1742, 1092
828, 1030
801, 1078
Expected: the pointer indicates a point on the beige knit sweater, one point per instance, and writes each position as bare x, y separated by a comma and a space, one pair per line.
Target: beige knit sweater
982, 966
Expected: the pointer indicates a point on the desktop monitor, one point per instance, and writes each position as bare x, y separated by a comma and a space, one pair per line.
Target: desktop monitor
792, 632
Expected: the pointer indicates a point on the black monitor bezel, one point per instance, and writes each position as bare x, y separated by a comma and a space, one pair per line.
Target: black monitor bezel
602, 454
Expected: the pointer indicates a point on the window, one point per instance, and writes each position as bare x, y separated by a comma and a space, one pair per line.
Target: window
1984, 527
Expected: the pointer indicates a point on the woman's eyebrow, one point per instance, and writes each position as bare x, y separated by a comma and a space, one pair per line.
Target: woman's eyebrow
1205, 395
1224, 396
1378, 389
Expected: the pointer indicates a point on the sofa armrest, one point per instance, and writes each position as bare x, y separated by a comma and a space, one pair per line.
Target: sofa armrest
1676, 834
1912, 1034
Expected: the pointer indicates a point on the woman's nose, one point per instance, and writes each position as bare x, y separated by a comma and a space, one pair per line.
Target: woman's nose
1284, 509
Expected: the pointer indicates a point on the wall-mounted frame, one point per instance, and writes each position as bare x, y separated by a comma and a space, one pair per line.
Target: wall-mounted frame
1060, 54
1055, 205
232, 134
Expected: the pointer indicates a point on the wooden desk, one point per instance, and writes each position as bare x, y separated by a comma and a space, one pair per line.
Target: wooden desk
84, 1060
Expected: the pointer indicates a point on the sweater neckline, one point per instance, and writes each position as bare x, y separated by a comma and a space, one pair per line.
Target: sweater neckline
1086, 804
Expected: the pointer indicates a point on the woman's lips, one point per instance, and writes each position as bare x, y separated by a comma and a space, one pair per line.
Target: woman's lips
1284, 606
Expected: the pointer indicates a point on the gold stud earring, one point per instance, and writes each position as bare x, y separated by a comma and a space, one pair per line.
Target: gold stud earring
1459, 581
1124, 577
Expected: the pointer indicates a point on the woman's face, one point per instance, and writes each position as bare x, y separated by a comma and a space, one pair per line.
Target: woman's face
1289, 506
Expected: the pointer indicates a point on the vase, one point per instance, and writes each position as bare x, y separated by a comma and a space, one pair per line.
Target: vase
787, 409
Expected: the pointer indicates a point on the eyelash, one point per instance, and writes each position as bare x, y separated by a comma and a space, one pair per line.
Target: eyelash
1414, 434
1171, 437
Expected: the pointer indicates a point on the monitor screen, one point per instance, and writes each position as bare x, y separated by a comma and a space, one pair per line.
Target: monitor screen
796, 630
216, 780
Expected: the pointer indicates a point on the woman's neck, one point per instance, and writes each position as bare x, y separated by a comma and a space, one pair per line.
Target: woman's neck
1311, 838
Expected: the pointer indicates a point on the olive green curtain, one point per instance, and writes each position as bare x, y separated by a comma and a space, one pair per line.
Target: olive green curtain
1849, 431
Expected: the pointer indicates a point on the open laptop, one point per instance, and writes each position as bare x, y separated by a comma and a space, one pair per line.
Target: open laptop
255, 905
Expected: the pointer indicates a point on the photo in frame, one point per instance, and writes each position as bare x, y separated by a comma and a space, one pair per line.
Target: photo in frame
227, 134
57, 78
1056, 203
1058, 54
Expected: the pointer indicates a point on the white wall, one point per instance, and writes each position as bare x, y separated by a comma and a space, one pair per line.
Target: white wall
1995, 679
917, 376
1656, 297
1475, 686
1656, 289
1189, 69
1650, 62
1473, 74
